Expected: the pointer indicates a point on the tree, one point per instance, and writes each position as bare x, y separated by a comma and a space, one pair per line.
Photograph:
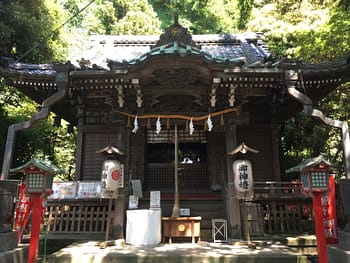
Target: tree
29, 26
201, 17
30, 32
114, 17
311, 31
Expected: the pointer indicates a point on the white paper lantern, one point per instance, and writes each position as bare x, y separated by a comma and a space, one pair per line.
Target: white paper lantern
243, 175
111, 173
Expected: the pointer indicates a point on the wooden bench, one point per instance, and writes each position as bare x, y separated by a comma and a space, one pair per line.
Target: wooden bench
181, 227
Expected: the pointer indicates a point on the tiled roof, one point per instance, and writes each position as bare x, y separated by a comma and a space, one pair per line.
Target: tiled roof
311, 162
42, 165
32, 69
103, 49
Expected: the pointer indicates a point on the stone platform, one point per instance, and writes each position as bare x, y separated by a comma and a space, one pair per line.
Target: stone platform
8, 241
340, 253
10, 251
17, 255
119, 252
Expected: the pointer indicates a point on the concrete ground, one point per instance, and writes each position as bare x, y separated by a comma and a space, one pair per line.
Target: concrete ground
202, 252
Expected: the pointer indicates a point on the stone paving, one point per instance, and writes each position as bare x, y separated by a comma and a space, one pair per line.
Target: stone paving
203, 252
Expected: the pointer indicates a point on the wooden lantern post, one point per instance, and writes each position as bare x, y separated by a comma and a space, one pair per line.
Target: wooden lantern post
243, 180
110, 176
314, 173
38, 184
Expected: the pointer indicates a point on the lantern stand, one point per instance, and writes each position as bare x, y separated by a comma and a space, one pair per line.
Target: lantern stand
243, 181
38, 184
111, 173
314, 173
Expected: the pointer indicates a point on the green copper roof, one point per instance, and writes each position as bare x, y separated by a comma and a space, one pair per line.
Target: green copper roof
181, 50
311, 162
44, 166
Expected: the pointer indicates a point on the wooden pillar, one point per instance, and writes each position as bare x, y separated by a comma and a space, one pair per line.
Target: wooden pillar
275, 154
118, 222
232, 203
78, 155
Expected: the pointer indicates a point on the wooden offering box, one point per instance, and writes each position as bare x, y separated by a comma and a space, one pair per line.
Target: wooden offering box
181, 227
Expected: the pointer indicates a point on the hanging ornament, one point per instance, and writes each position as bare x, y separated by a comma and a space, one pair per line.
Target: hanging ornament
136, 125
191, 126
158, 125
148, 123
168, 124
222, 121
210, 123
128, 125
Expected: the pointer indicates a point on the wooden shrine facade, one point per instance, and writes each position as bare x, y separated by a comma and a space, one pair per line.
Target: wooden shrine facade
220, 90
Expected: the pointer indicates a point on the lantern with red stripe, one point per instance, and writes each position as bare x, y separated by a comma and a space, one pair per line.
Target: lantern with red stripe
111, 173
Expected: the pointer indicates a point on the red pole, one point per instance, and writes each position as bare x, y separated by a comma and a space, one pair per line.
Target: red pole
35, 230
320, 235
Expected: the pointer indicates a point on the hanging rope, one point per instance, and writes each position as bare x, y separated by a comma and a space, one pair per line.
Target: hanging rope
237, 110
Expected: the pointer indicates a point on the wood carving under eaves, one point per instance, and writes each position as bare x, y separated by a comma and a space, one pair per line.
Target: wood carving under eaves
176, 33
176, 78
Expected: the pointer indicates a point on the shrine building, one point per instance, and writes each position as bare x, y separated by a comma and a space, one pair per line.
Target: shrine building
219, 91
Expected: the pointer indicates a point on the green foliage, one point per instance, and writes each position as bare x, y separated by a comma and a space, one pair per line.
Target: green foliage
30, 31
312, 31
114, 17
202, 17
245, 7
304, 30
29, 26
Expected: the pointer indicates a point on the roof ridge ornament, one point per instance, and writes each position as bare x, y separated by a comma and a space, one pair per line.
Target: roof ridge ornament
176, 33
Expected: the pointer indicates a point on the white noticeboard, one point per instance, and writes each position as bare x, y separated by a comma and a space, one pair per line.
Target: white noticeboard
61, 190
137, 188
89, 189
154, 199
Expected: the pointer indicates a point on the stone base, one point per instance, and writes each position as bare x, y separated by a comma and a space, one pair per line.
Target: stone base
341, 252
344, 240
337, 254
8, 241
17, 255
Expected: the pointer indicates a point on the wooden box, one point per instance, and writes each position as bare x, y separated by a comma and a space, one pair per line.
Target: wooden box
181, 227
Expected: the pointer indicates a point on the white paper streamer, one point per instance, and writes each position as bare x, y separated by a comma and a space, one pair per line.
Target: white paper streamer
191, 126
136, 125
158, 126
210, 123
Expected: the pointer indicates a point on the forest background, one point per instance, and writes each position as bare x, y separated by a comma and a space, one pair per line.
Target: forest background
49, 31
